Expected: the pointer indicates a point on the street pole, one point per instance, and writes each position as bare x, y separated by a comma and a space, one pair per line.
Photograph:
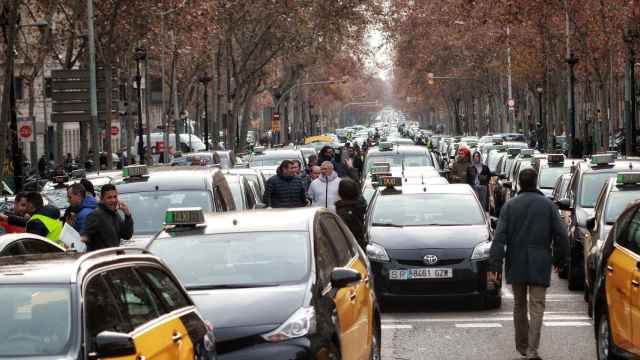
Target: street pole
165, 126
147, 117
509, 83
543, 139
572, 61
629, 102
205, 79
140, 55
93, 99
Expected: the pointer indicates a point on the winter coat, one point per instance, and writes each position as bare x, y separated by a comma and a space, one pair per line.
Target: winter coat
88, 205
485, 175
284, 192
529, 226
352, 212
37, 227
459, 171
105, 228
323, 191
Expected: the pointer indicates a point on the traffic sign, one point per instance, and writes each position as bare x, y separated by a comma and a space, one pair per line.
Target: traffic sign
115, 131
25, 130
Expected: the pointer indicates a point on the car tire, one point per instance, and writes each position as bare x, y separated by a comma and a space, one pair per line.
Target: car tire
604, 342
490, 302
376, 342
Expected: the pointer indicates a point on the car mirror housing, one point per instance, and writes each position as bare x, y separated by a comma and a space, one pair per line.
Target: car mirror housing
114, 344
344, 277
507, 184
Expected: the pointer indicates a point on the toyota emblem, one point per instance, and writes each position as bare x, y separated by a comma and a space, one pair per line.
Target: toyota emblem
430, 259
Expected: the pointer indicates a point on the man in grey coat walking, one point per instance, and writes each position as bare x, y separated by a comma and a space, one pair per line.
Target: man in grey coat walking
535, 240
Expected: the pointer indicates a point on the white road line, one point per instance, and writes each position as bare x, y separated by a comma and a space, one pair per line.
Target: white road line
566, 323
400, 326
479, 325
482, 319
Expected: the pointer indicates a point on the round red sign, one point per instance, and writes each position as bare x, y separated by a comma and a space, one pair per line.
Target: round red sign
25, 131
114, 130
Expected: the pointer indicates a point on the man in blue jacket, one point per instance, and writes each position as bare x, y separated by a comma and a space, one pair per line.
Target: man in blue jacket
83, 203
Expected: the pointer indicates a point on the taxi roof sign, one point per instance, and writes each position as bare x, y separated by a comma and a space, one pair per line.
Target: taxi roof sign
602, 159
135, 171
555, 158
498, 141
527, 152
513, 151
381, 167
628, 178
184, 216
391, 181
60, 179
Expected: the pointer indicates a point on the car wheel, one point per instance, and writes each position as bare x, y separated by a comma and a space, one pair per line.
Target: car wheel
491, 302
604, 344
376, 348
576, 278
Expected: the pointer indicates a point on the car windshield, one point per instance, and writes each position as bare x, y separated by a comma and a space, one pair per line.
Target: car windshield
148, 208
549, 176
591, 185
427, 209
237, 259
618, 201
36, 320
58, 197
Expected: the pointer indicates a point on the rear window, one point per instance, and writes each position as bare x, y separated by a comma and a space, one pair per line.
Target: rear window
618, 201
549, 176
591, 185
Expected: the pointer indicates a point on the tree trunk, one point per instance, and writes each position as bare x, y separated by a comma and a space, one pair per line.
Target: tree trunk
108, 87
33, 146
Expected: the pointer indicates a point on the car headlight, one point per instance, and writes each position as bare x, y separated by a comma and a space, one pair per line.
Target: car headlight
377, 252
481, 251
301, 323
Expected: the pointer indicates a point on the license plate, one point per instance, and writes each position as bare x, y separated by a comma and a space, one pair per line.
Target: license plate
429, 273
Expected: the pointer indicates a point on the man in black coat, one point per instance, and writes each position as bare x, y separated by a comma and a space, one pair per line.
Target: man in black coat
285, 190
352, 208
105, 227
535, 239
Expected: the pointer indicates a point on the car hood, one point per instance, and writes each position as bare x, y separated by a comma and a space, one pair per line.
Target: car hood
420, 237
238, 313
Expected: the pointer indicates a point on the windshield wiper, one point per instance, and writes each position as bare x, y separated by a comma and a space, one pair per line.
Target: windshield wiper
230, 286
387, 224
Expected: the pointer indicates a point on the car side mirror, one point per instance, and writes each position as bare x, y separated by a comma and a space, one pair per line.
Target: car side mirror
564, 204
591, 223
111, 344
343, 277
507, 184
494, 222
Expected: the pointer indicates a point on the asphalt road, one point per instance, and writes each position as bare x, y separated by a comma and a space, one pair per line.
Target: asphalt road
455, 330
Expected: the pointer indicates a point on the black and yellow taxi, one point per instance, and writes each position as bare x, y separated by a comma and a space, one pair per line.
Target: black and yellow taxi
430, 241
150, 191
616, 293
615, 196
586, 182
122, 304
277, 284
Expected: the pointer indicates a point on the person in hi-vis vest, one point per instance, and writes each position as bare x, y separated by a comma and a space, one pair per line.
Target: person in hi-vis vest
44, 220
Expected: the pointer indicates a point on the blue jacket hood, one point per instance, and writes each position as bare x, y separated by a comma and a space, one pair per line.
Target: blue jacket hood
89, 202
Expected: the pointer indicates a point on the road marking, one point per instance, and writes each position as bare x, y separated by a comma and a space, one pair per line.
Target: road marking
397, 326
479, 325
483, 319
566, 323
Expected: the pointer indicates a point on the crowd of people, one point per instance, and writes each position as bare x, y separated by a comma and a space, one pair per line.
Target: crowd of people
330, 180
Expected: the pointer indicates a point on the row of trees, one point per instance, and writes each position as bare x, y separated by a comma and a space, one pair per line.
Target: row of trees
471, 42
256, 52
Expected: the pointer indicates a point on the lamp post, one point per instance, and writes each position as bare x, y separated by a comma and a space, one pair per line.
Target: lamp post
539, 89
571, 60
205, 80
140, 55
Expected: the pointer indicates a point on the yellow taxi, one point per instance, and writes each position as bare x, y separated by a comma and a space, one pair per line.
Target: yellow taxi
278, 284
616, 294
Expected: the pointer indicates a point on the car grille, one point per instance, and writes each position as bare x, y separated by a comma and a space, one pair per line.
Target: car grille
426, 287
422, 264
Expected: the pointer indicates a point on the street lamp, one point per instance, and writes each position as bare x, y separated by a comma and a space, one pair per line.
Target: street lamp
539, 89
571, 60
140, 54
205, 80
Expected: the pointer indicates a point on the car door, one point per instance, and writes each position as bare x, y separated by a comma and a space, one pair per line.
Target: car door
155, 338
634, 254
358, 294
343, 299
621, 266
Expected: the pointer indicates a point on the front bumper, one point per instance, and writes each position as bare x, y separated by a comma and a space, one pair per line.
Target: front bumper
469, 279
295, 349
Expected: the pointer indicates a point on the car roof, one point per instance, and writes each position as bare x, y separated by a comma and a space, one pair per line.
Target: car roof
296, 219
619, 165
279, 153
452, 189
164, 179
40, 268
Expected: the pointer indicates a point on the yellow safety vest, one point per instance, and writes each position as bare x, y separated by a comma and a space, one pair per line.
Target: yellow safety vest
54, 226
